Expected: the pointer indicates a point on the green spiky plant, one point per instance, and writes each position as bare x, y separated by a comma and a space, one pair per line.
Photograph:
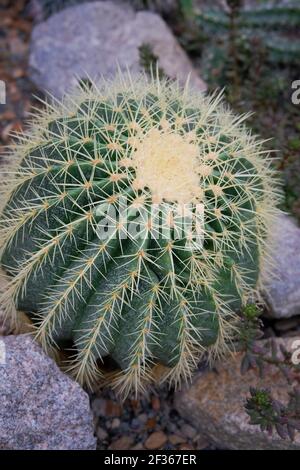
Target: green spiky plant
156, 301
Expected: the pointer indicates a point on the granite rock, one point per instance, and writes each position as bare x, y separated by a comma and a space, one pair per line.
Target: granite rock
282, 291
40, 407
94, 39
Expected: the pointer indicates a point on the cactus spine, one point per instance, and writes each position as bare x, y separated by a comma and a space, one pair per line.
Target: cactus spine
145, 299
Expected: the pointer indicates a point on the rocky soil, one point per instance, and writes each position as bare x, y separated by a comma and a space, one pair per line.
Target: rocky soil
151, 423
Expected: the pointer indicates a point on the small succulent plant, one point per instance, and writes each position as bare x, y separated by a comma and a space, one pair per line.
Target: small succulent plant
263, 409
272, 415
92, 265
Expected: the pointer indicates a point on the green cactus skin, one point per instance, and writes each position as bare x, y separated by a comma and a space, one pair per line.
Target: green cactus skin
149, 303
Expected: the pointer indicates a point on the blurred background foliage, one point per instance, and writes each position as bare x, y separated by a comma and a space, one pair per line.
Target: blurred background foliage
252, 48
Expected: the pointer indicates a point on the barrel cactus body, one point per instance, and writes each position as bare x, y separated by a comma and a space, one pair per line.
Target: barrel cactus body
95, 236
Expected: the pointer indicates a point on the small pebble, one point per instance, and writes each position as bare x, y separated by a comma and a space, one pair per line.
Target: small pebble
169, 446
138, 446
18, 73
115, 423
155, 402
124, 427
172, 428
143, 418
151, 423
175, 439
102, 435
188, 431
136, 424
112, 408
98, 406
123, 443
201, 443
156, 440
186, 446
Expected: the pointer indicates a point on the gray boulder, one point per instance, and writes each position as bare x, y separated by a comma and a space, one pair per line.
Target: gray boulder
93, 39
40, 407
282, 292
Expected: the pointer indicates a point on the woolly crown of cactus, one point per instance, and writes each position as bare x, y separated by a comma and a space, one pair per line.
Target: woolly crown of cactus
152, 298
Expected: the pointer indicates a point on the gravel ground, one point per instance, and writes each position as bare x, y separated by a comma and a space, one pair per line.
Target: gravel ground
147, 423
